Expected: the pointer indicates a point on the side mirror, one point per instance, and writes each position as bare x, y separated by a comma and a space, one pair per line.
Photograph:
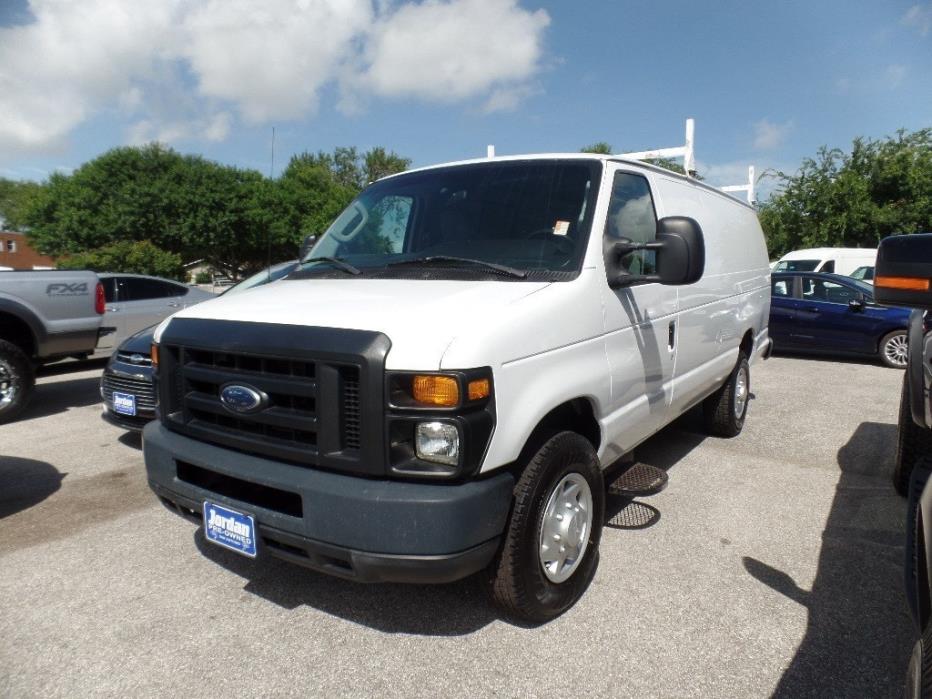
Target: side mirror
856, 305
309, 242
903, 275
680, 250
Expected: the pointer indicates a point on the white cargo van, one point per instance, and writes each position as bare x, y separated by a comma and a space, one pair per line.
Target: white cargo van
831, 260
440, 386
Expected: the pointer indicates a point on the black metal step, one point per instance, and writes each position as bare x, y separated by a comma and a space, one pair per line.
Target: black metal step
640, 480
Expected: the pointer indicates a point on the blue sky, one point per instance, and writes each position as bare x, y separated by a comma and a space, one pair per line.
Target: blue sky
767, 83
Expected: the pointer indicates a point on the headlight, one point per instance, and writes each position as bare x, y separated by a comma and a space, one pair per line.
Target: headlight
438, 442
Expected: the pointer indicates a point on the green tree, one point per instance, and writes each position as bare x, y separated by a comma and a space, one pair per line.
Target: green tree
126, 256
853, 199
600, 147
15, 199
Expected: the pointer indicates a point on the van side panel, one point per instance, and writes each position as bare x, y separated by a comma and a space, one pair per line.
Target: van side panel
732, 297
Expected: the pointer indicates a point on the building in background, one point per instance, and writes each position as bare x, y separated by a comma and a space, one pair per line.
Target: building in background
16, 253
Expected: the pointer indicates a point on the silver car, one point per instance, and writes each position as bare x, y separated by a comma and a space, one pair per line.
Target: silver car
136, 301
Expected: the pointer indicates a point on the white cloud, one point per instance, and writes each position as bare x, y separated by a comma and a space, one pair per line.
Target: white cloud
449, 51
769, 135
894, 76
182, 68
919, 17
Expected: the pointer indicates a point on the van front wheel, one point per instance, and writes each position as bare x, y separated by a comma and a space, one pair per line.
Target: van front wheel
551, 547
724, 411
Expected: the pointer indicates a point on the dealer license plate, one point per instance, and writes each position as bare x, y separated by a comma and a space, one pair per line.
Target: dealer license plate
124, 403
229, 528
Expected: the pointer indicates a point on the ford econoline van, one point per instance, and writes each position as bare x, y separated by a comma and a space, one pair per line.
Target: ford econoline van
439, 387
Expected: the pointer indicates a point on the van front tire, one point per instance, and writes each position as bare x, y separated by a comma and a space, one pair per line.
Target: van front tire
559, 497
724, 411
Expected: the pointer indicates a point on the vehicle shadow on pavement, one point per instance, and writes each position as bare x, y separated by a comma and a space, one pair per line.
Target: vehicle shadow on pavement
859, 634
453, 609
60, 396
25, 483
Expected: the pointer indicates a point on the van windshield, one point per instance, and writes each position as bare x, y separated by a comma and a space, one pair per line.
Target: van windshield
796, 265
526, 219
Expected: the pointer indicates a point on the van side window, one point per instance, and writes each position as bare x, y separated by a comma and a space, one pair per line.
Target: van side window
828, 267
631, 215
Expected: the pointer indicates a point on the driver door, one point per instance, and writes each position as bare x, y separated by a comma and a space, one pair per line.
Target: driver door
640, 320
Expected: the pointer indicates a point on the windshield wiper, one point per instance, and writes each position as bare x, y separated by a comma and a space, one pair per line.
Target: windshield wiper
430, 259
336, 262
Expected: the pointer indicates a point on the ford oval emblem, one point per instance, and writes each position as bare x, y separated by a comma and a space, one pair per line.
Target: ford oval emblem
242, 399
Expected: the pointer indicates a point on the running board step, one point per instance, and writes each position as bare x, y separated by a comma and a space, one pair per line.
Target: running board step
640, 480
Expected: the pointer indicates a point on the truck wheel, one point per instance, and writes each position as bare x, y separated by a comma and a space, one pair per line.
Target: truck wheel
16, 380
893, 349
551, 547
724, 411
912, 442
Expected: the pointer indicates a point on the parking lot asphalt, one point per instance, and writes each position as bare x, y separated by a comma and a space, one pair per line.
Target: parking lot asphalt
771, 565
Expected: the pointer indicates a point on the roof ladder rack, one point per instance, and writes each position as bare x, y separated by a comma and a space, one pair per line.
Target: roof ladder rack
749, 187
686, 151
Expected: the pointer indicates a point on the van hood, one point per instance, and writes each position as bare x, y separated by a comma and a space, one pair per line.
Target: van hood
421, 318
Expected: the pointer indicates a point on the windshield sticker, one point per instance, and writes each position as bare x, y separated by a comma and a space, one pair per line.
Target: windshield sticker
561, 228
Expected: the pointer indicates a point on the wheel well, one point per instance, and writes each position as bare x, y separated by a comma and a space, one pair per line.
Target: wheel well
14, 330
747, 344
574, 415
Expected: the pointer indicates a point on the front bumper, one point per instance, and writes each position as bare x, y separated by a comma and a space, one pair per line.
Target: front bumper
357, 528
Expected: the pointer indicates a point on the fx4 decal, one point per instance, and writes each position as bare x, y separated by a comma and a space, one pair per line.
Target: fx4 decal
65, 289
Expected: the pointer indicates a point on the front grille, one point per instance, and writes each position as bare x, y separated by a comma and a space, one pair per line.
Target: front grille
314, 387
141, 388
134, 358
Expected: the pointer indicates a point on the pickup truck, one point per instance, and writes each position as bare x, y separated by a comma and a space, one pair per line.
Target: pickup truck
44, 316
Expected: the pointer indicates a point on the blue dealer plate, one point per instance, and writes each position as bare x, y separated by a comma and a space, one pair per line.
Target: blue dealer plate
230, 529
124, 403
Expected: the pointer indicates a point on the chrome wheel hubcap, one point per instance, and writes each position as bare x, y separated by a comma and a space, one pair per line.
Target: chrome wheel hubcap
564, 531
7, 390
741, 392
895, 350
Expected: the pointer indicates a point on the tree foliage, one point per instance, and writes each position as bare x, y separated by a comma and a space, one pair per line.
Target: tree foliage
129, 257
853, 199
233, 218
15, 198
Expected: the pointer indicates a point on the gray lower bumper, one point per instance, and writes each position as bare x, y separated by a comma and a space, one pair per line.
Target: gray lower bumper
358, 528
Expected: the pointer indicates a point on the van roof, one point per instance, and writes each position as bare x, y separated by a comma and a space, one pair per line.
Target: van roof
582, 156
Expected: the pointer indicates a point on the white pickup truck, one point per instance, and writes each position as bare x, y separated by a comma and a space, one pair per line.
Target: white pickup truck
440, 386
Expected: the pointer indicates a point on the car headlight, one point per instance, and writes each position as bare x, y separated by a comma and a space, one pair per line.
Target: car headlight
438, 442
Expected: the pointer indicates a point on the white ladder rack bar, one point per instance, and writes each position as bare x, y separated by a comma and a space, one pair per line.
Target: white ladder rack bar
749, 187
686, 151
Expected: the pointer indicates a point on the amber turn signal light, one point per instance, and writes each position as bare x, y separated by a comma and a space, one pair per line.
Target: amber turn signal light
154, 353
905, 283
442, 391
479, 389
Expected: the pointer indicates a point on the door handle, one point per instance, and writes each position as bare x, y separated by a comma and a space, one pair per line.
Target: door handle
174, 305
671, 336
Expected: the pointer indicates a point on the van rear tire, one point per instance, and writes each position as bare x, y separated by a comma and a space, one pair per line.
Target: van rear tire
724, 411
560, 490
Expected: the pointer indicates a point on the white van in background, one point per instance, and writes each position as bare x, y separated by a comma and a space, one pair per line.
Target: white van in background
830, 260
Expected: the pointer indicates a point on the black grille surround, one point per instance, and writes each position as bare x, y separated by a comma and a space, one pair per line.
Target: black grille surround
325, 391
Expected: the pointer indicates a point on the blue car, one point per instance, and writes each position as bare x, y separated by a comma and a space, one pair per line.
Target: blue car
832, 314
